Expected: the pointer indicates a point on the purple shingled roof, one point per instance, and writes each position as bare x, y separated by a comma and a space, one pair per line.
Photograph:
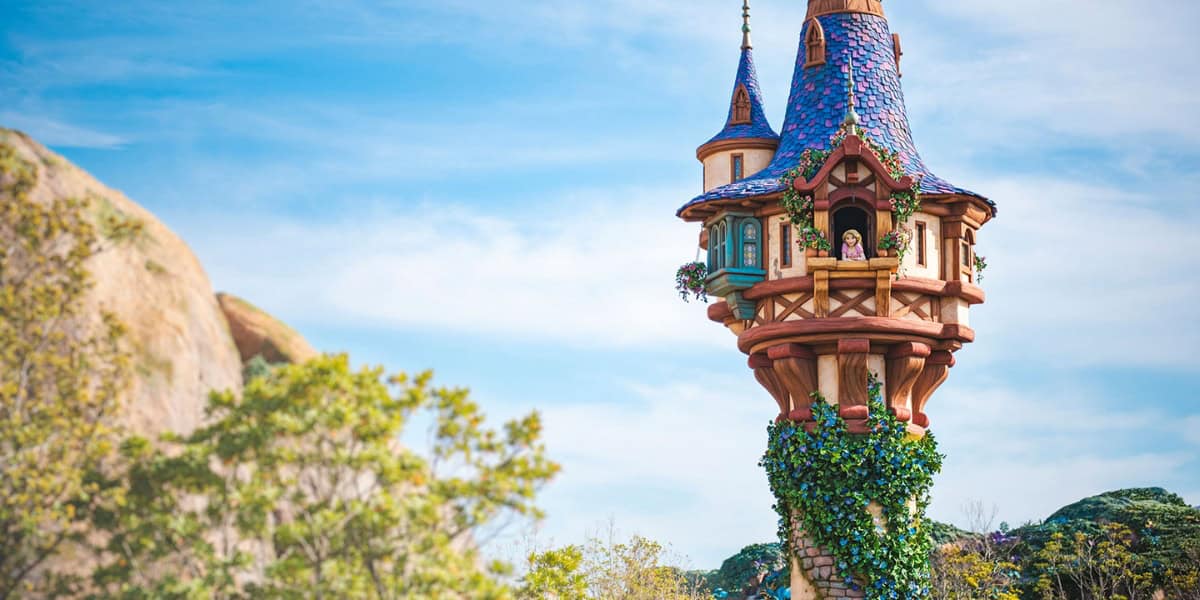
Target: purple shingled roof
758, 127
817, 106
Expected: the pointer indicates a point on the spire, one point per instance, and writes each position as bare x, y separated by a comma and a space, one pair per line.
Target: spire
747, 119
746, 45
851, 121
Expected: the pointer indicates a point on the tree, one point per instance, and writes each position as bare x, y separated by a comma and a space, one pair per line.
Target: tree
555, 575
608, 569
61, 374
300, 488
1099, 567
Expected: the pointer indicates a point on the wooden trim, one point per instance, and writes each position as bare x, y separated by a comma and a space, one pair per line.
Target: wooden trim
853, 146
973, 294
843, 326
817, 8
853, 393
712, 148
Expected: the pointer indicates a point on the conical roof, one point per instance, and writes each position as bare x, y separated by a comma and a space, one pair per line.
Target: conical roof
758, 127
818, 102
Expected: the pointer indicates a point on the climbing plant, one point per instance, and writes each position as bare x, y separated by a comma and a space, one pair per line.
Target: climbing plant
829, 478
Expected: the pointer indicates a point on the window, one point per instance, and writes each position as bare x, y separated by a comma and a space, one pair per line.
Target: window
750, 244
712, 249
966, 255
921, 228
737, 167
722, 246
853, 218
785, 244
741, 106
814, 44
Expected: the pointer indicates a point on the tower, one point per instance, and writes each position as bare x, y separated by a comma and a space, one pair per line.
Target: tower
817, 316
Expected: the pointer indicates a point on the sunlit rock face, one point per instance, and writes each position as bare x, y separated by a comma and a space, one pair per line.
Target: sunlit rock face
178, 338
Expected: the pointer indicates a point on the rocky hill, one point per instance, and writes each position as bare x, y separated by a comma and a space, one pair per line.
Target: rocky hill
183, 341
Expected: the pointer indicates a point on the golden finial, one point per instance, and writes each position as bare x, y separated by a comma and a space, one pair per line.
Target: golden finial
746, 45
851, 115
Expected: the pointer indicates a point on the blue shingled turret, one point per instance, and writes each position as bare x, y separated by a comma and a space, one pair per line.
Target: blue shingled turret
818, 105
757, 125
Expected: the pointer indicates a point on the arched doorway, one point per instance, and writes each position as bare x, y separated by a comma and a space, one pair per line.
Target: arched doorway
858, 219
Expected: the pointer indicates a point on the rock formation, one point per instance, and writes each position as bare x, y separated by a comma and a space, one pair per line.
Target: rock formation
258, 334
180, 342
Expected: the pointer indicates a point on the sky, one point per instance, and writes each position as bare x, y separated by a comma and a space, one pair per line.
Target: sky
488, 189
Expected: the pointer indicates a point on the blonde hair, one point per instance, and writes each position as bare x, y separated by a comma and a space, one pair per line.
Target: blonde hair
852, 232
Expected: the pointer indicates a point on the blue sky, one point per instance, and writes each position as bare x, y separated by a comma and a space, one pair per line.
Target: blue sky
488, 189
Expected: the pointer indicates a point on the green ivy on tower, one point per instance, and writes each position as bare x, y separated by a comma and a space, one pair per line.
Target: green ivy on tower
829, 478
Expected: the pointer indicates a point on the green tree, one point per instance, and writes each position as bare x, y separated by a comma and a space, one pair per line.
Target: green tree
61, 374
300, 488
555, 575
606, 568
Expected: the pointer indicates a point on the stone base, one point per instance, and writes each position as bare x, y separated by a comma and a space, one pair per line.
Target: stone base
815, 575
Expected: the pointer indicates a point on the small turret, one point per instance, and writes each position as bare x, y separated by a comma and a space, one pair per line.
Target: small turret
747, 143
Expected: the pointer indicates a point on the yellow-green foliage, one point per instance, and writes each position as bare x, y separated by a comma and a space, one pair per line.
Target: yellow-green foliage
305, 492
60, 377
971, 571
1101, 567
607, 569
555, 574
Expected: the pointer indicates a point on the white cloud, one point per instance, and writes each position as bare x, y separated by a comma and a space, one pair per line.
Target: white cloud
1084, 275
1031, 450
677, 463
594, 270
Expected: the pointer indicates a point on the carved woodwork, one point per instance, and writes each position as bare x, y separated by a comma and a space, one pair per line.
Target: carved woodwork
764, 372
852, 378
905, 362
796, 366
937, 370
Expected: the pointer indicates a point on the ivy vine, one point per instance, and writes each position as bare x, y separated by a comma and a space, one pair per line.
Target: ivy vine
830, 478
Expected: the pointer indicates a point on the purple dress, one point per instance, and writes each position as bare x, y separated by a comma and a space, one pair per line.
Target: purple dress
855, 253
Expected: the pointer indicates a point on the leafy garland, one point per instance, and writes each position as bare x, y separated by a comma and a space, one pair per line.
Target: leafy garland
830, 477
689, 281
799, 207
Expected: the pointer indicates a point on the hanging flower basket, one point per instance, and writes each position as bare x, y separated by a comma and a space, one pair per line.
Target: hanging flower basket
689, 281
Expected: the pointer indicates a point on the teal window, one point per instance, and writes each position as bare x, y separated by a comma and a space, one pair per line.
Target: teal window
722, 246
738, 167
751, 235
